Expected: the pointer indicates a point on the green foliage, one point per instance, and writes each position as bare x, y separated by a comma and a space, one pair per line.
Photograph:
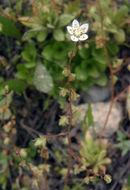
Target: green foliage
88, 119
25, 71
8, 27
48, 22
124, 143
114, 20
89, 63
48, 44
93, 154
91, 69
16, 85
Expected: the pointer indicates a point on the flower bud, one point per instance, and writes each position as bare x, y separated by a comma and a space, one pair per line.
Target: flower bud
66, 72
87, 180
41, 141
74, 95
63, 92
107, 178
6, 140
7, 128
72, 77
63, 120
23, 153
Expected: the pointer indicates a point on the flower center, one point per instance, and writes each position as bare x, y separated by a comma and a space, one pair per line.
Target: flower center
77, 32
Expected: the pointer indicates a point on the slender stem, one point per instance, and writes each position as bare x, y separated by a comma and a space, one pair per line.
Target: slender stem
70, 121
111, 72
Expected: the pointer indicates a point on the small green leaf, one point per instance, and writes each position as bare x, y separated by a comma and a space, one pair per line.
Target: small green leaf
42, 79
102, 80
41, 36
29, 53
30, 65
16, 85
88, 118
121, 14
65, 19
73, 7
120, 36
59, 35
93, 72
81, 74
99, 55
9, 28
112, 47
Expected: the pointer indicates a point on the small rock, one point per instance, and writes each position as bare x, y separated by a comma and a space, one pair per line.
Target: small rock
100, 111
96, 94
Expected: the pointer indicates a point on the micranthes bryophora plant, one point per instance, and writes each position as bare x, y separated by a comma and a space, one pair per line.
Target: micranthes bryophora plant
77, 33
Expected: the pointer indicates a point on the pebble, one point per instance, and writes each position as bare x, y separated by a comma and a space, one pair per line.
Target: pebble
100, 111
96, 94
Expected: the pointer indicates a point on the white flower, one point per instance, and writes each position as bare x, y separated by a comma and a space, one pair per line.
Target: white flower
78, 32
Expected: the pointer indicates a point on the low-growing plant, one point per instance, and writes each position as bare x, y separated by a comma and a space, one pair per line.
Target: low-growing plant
124, 142
93, 154
115, 21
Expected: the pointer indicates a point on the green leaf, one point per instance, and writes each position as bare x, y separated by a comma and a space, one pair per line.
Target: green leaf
112, 48
31, 22
32, 33
16, 85
73, 7
99, 55
59, 35
29, 53
30, 65
57, 51
102, 80
120, 36
41, 36
84, 53
88, 118
121, 14
93, 71
81, 74
25, 73
9, 28
126, 3
42, 79
65, 19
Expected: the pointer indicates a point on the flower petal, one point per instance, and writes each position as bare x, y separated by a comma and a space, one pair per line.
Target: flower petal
70, 29
73, 38
84, 28
75, 24
83, 37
